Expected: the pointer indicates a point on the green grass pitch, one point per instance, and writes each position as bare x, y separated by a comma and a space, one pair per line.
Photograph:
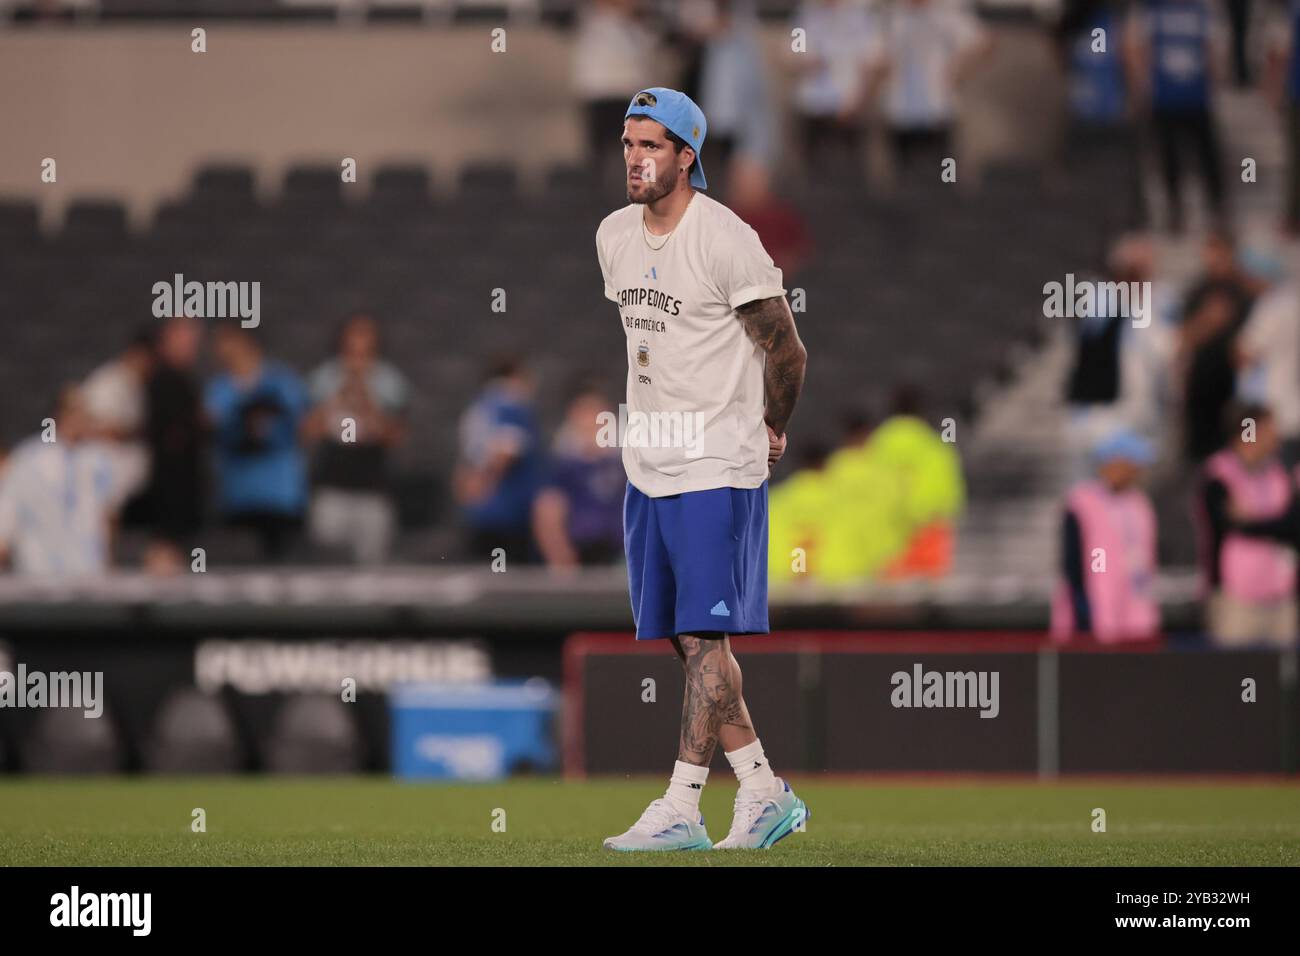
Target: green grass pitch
378, 821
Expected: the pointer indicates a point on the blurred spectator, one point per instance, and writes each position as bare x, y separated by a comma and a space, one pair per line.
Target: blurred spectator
925, 50
1108, 549
932, 490
779, 224
1101, 137
359, 402
1171, 58
1213, 314
832, 80
732, 85
114, 396
1249, 540
496, 477
1112, 385
613, 57
256, 407
578, 512
58, 497
847, 513
176, 433
1283, 87
1269, 352
1097, 91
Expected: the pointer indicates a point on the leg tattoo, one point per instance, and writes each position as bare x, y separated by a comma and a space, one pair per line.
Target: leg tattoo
713, 705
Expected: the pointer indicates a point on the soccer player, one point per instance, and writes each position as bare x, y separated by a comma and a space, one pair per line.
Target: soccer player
714, 369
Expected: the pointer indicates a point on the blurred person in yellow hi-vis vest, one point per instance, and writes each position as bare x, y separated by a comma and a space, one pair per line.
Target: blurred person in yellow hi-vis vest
846, 517
865, 527
933, 491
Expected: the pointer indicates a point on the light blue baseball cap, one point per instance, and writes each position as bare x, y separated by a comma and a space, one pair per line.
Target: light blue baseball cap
1126, 444
677, 113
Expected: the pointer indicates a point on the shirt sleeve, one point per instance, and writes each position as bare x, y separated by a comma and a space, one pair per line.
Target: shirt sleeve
747, 272
610, 293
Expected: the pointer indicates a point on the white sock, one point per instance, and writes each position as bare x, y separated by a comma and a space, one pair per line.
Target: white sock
752, 769
685, 787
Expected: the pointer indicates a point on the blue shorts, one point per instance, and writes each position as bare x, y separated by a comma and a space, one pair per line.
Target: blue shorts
697, 561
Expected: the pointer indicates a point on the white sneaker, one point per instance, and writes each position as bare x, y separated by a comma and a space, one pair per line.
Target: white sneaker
759, 821
662, 827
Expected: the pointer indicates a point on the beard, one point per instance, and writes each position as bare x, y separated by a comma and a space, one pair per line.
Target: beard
658, 189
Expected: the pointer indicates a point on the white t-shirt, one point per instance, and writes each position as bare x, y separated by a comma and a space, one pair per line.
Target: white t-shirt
695, 398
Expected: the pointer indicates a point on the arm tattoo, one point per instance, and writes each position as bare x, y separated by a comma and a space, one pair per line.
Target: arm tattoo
771, 325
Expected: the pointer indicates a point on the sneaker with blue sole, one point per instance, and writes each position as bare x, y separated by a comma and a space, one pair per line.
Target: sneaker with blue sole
662, 827
758, 822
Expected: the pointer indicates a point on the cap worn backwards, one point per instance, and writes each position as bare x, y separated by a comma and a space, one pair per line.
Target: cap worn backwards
678, 114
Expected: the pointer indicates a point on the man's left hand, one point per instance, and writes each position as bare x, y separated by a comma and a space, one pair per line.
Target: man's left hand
775, 447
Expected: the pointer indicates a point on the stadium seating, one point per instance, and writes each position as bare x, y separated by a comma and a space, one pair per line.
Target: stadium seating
906, 285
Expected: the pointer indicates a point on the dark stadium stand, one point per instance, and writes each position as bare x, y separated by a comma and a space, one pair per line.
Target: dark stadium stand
921, 292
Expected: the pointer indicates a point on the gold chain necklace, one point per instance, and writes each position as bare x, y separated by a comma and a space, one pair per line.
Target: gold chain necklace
646, 233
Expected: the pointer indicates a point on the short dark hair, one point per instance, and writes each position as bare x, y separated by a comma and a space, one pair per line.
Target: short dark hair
678, 145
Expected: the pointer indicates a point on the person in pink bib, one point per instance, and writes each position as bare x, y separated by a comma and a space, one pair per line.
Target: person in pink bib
1108, 554
1248, 536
